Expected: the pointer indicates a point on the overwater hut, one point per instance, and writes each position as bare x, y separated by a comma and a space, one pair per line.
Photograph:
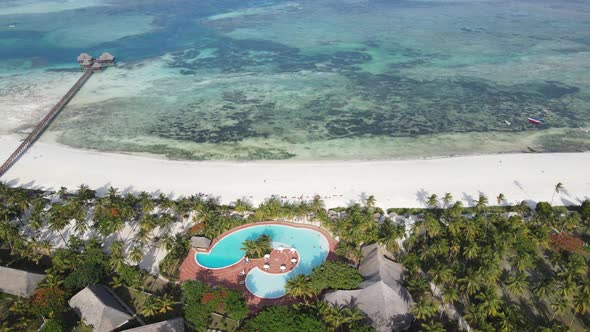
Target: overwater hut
171, 325
96, 67
97, 306
18, 282
86, 64
381, 295
106, 59
84, 56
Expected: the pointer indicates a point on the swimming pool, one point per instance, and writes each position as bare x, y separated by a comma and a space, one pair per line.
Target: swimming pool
312, 247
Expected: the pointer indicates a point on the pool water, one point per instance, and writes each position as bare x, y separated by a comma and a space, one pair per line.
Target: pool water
312, 246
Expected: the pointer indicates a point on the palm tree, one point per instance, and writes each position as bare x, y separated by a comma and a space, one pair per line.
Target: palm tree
242, 205
81, 226
517, 283
450, 295
136, 254
432, 201
544, 289
490, 302
147, 204
62, 193
558, 189
317, 204
559, 306
84, 193
500, 199
424, 309
354, 314
117, 282
447, 199
52, 280
57, 220
432, 326
389, 235
300, 286
582, 302
481, 203
143, 235
333, 315
165, 303
470, 284
522, 208
257, 248
370, 202
150, 307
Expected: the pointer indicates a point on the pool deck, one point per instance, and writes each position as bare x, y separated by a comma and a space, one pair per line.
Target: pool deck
231, 276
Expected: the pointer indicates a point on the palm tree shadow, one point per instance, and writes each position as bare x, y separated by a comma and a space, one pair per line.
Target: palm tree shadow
422, 196
468, 199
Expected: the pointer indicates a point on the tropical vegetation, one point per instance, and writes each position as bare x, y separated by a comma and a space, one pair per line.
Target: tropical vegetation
257, 248
502, 268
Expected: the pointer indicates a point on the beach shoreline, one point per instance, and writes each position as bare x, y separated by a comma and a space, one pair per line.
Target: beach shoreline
394, 183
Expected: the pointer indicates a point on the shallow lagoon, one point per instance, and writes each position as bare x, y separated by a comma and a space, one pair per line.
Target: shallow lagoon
304, 79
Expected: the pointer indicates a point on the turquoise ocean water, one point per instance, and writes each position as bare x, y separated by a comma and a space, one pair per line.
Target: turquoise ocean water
322, 79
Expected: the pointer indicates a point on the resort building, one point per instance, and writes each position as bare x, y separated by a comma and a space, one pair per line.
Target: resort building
84, 57
171, 325
200, 243
106, 59
18, 282
381, 295
97, 306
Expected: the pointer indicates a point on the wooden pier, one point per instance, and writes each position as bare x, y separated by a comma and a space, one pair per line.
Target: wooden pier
44, 124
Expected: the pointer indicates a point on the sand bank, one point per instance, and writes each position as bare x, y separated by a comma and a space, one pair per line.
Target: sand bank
403, 183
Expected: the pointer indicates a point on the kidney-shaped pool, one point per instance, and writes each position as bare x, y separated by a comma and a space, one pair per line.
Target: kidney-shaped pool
312, 247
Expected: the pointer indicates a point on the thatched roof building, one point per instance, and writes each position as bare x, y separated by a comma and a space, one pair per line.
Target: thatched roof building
381, 295
171, 325
18, 282
200, 243
106, 58
84, 56
96, 67
98, 307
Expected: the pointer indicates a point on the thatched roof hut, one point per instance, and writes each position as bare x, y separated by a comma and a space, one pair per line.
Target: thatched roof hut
171, 325
200, 243
97, 306
106, 58
18, 282
84, 56
96, 67
380, 296
86, 63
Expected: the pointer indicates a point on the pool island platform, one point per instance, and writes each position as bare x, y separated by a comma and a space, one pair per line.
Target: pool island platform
234, 276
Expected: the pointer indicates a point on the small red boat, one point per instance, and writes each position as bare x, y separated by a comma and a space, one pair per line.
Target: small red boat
534, 121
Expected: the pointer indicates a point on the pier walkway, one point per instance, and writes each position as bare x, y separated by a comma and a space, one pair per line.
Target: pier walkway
44, 124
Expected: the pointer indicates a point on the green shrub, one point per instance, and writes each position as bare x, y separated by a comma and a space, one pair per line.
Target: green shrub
86, 275
335, 275
284, 319
52, 325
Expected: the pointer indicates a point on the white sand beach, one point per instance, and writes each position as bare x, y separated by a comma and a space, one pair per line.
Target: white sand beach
401, 183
